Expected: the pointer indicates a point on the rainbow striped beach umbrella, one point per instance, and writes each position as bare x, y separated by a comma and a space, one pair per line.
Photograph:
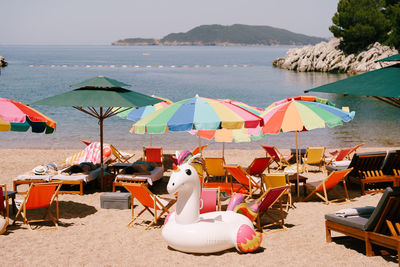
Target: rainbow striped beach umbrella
136, 114
16, 116
197, 113
302, 113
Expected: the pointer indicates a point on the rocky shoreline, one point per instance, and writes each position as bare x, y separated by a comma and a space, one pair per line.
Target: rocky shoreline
326, 57
3, 62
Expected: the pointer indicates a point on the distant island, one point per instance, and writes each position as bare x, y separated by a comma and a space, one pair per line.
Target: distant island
234, 35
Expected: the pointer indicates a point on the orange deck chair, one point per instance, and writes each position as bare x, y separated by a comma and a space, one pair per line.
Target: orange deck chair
259, 165
209, 200
39, 195
321, 187
277, 156
153, 154
251, 183
4, 208
156, 205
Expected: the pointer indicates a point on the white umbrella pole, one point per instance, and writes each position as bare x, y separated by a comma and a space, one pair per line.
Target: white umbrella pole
101, 149
151, 140
201, 151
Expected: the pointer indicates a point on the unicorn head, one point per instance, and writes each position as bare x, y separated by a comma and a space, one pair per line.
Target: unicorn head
185, 180
187, 174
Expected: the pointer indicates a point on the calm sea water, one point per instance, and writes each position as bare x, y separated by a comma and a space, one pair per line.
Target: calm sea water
258, 84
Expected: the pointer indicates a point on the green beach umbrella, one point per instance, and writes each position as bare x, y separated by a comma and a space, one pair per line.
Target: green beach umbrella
382, 84
97, 97
391, 58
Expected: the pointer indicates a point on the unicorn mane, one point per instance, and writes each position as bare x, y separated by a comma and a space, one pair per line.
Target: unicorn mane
195, 160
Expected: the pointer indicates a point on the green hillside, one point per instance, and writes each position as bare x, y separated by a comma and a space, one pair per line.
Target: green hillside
240, 34
237, 34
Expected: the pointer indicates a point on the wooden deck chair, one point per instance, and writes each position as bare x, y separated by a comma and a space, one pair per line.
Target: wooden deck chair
352, 150
328, 184
197, 150
214, 168
210, 200
259, 165
340, 156
266, 201
153, 154
4, 208
156, 205
277, 156
252, 184
372, 228
314, 156
121, 157
39, 195
274, 180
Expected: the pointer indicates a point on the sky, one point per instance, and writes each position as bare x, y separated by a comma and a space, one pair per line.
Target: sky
105, 21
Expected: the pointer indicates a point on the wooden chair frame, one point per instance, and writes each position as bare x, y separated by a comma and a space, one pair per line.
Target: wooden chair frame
324, 197
374, 177
119, 156
157, 205
6, 208
250, 185
23, 211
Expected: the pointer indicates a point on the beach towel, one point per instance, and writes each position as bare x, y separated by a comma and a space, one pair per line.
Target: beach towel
90, 154
367, 210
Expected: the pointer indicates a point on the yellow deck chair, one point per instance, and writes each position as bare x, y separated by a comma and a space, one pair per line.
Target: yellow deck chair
275, 180
214, 168
314, 156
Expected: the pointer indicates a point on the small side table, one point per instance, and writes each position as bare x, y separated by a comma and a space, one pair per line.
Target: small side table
11, 194
302, 179
117, 167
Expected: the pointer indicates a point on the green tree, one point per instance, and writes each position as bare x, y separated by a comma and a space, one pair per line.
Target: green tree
393, 14
360, 23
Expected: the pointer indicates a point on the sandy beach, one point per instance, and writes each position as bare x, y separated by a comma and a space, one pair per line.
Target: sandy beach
91, 236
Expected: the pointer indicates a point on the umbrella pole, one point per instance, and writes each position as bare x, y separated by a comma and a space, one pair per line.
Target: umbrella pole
297, 171
101, 149
151, 140
223, 149
201, 150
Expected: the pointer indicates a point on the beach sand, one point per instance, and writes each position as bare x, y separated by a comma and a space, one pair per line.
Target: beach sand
91, 236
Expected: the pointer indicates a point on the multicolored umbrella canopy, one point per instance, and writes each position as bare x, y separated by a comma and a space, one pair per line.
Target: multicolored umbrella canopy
136, 114
197, 113
234, 135
16, 116
302, 113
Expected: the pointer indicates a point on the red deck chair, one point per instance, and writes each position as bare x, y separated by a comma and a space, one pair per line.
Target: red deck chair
268, 199
156, 205
4, 209
259, 165
209, 200
197, 150
277, 156
251, 183
153, 154
328, 184
340, 156
40, 195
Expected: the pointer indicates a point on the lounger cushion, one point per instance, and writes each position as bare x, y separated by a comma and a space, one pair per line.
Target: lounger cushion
358, 222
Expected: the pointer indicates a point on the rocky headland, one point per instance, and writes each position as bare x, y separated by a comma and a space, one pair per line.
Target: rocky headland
3, 62
326, 57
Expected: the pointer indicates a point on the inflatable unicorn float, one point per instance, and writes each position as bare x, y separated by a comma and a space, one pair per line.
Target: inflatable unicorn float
189, 231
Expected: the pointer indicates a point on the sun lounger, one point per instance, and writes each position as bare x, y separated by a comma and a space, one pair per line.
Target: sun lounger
156, 174
65, 179
370, 227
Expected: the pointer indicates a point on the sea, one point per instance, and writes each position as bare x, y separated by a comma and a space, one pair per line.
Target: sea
178, 72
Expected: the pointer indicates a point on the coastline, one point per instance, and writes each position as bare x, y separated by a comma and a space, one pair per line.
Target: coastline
91, 236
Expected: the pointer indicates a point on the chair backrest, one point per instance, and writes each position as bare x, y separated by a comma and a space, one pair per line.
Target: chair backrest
40, 195
259, 165
197, 150
315, 155
343, 153
2, 206
377, 213
215, 166
366, 162
140, 192
209, 200
272, 180
270, 197
152, 154
239, 174
354, 148
333, 179
272, 151
392, 161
